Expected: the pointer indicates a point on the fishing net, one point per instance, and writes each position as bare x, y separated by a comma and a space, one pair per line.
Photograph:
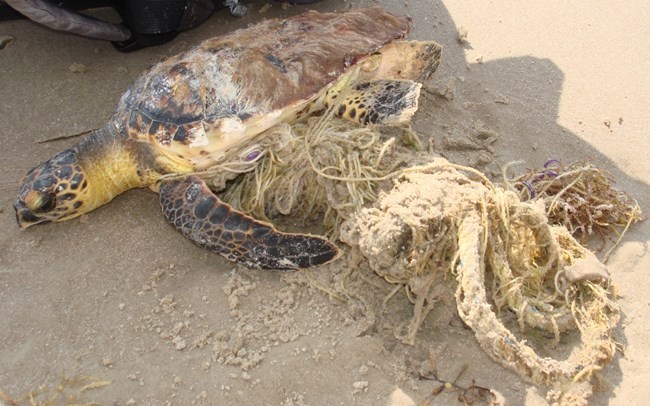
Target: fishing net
420, 221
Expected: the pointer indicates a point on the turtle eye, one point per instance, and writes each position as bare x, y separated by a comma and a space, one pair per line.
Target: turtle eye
40, 202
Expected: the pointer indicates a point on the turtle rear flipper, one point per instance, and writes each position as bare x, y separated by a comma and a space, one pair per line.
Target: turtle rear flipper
195, 211
381, 101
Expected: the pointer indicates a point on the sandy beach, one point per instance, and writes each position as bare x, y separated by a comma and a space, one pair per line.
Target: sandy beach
119, 308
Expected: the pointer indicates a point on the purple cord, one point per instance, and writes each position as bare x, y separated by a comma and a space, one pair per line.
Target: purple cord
252, 155
550, 161
530, 189
543, 175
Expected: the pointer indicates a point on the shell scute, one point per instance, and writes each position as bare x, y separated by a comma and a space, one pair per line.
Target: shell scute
172, 97
139, 122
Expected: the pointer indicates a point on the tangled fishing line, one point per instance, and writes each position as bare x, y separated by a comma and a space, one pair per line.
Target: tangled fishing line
420, 221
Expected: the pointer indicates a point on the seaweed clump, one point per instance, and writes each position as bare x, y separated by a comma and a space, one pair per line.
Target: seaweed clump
580, 197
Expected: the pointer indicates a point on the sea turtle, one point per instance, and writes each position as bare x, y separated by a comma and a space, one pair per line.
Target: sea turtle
205, 106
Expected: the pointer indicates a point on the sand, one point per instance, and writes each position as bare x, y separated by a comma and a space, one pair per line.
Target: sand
118, 308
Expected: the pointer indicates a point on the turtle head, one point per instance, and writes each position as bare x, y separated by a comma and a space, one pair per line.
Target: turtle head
53, 191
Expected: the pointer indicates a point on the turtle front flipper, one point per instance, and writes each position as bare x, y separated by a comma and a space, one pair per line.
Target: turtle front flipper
195, 211
381, 101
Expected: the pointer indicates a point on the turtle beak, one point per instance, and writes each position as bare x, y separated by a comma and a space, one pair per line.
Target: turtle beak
25, 217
